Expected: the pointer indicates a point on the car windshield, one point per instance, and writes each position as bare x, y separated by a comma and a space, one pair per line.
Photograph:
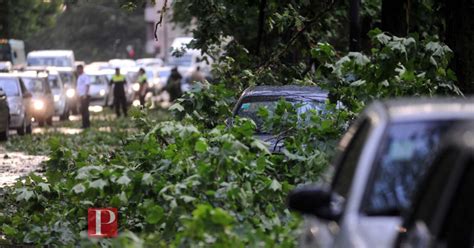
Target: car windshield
250, 109
60, 61
53, 82
33, 84
186, 60
404, 157
66, 77
95, 79
10, 86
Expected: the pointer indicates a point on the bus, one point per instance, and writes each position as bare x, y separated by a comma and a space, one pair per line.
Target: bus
12, 51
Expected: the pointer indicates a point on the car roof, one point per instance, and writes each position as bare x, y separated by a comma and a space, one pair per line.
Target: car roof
50, 53
427, 108
8, 75
285, 91
34, 74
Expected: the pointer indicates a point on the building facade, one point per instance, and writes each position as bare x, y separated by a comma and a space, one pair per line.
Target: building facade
166, 32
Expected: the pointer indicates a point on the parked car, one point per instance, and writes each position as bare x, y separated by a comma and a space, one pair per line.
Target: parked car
442, 214
4, 116
43, 101
254, 98
381, 158
99, 88
19, 101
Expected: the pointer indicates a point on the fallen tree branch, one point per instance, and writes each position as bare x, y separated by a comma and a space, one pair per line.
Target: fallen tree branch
158, 23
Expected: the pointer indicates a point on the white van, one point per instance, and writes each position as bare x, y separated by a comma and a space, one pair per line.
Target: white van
57, 58
12, 51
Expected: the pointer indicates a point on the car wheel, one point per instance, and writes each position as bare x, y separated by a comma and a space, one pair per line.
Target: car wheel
40, 122
49, 120
28, 129
4, 135
21, 130
64, 116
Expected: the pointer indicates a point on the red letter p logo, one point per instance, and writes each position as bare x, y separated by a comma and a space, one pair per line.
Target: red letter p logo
102, 222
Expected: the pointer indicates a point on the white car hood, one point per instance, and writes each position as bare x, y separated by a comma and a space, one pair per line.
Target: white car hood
377, 231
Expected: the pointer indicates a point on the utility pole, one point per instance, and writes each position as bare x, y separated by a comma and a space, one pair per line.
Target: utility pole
4, 19
354, 19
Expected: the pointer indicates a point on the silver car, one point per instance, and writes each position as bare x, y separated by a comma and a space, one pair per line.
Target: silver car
58, 89
18, 101
99, 88
381, 158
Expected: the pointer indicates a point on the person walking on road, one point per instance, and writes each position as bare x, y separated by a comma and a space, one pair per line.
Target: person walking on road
197, 76
173, 86
142, 81
120, 100
82, 89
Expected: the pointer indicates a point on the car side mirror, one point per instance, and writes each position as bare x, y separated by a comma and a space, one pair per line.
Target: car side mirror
311, 200
27, 95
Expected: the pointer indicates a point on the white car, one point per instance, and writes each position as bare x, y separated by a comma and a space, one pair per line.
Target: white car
19, 100
99, 88
381, 159
58, 58
59, 90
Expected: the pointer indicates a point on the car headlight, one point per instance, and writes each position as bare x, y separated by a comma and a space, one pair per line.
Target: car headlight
136, 86
70, 93
102, 92
56, 98
38, 104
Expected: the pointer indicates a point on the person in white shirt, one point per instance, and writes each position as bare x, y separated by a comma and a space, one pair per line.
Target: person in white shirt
82, 90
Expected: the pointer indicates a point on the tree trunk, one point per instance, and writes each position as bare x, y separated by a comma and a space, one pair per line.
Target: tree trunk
460, 38
354, 17
4, 19
395, 17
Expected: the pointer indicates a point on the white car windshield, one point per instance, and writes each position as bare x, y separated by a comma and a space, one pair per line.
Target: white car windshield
62, 61
10, 86
33, 84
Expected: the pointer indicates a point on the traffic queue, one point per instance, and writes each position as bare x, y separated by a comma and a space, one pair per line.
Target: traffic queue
46, 85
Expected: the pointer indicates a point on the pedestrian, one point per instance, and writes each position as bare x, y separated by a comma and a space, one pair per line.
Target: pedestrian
82, 89
120, 100
197, 76
142, 81
173, 85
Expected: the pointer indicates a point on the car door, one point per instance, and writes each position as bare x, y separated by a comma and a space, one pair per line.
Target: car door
48, 94
442, 214
26, 102
322, 233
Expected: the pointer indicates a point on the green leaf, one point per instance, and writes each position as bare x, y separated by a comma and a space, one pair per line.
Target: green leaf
275, 185
79, 188
154, 214
98, 184
147, 179
44, 187
24, 194
124, 180
201, 146
8, 230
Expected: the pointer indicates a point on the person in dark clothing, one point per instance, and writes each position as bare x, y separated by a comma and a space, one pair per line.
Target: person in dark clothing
120, 100
142, 81
173, 86
83, 84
